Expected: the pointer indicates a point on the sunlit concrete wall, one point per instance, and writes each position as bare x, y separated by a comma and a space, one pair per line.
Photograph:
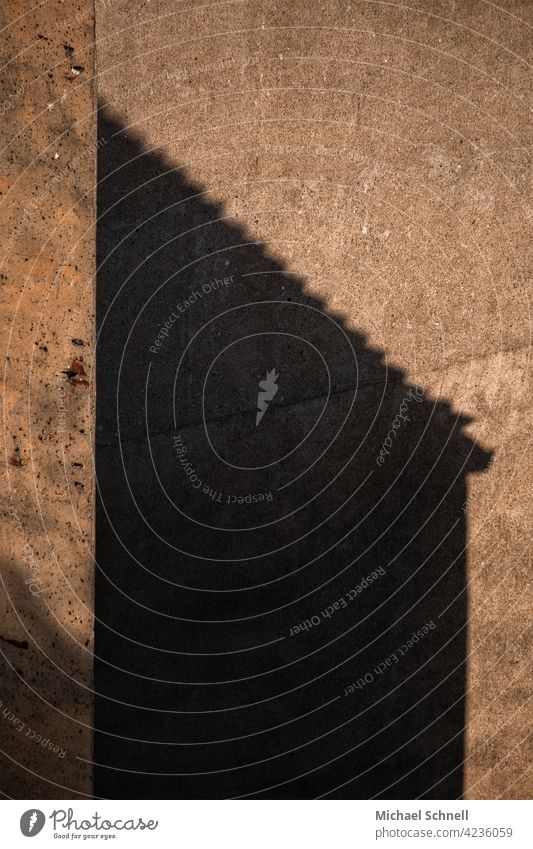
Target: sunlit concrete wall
383, 152
47, 217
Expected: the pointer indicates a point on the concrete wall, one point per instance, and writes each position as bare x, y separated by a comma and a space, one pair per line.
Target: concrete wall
380, 156
46, 293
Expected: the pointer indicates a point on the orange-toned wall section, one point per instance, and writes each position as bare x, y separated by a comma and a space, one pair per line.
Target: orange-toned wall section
47, 262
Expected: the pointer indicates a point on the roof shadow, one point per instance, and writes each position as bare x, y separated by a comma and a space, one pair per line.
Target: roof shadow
281, 597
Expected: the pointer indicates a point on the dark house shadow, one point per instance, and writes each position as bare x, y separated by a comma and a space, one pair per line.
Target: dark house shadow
281, 605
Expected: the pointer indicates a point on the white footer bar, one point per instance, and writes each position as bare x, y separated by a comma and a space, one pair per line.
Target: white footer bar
267, 824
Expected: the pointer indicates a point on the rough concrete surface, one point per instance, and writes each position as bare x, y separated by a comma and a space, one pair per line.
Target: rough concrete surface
367, 166
46, 293
323, 209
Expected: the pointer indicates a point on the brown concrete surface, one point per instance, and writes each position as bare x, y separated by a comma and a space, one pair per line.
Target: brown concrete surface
46, 295
379, 155
376, 157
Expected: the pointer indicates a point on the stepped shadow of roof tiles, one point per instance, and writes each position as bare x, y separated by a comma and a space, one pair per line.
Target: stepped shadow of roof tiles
281, 605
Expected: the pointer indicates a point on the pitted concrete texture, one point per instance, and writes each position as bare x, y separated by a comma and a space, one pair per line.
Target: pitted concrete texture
47, 269
366, 166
